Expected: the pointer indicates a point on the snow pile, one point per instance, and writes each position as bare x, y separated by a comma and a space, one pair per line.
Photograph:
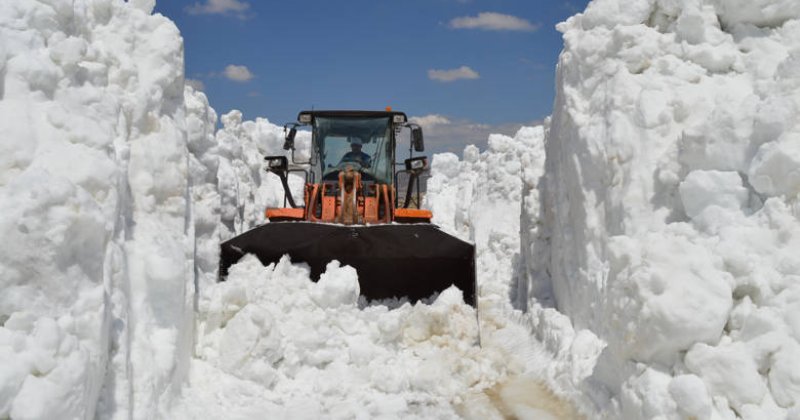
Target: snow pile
669, 213
109, 178
229, 185
203, 166
480, 199
245, 188
273, 343
97, 269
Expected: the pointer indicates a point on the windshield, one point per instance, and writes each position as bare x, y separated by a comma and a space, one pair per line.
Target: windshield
362, 143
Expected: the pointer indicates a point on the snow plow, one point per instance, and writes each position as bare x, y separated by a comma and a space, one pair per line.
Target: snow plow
352, 211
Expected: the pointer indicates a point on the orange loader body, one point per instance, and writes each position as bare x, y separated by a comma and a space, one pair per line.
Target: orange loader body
351, 212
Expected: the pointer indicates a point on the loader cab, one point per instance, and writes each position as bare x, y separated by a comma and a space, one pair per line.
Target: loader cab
340, 137
351, 173
366, 144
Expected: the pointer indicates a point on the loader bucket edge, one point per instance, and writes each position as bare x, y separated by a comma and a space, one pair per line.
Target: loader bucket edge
393, 261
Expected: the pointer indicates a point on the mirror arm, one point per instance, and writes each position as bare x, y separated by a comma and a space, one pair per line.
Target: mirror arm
286, 191
411, 178
279, 166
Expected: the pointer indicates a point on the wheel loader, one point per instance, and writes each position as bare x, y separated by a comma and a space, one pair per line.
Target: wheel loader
351, 210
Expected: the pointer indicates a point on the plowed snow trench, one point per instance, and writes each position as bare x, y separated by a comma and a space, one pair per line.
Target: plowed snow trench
664, 227
272, 343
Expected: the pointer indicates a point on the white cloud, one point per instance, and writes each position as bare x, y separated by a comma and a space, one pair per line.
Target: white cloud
220, 7
462, 72
196, 84
238, 73
571, 7
430, 121
490, 21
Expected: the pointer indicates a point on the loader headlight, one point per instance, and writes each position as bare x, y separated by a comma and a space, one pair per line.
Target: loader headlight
417, 163
399, 119
304, 118
277, 163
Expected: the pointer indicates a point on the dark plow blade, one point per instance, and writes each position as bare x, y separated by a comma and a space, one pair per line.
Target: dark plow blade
393, 261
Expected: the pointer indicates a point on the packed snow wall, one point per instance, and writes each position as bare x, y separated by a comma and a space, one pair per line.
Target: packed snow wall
479, 199
110, 178
97, 261
669, 216
246, 189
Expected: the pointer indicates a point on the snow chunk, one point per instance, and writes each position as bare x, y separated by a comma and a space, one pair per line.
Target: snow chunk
775, 170
691, 396
702, 189
668, 294
740, 385
611, 12
336, 286
645, 396
784, 375
250, 344
766, 13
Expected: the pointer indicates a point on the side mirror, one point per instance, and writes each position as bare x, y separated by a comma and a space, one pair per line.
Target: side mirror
277, 164
288, 144
416, 139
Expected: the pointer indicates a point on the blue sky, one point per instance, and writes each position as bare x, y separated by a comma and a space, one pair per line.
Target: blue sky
468, 67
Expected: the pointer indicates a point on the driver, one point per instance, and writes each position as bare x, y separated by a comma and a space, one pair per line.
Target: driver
356, 155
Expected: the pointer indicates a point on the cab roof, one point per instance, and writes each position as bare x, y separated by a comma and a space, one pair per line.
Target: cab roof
352, 114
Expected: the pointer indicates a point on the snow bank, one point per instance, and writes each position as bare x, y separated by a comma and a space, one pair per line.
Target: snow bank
97, 266
668, 222
204, 160
110, 178
481, 199
245, 188
229, 185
